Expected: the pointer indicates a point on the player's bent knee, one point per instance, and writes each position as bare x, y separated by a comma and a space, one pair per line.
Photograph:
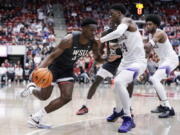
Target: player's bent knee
153, 79
160, 74
43, 98
119, 83
67, 99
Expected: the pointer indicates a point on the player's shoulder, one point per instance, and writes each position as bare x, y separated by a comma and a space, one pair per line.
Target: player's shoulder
127, 20
132, 25
160, 32
67, 38
66, 41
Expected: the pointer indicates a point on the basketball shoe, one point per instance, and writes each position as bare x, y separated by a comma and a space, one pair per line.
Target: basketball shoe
114, 116
159, 109
127, 124
28, 90
82, 111
35, 122
167, 112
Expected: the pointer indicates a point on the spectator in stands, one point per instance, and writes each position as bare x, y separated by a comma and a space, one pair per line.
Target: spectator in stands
26, 73
10, 73
6, 63
3, 74
18, 73
83, 76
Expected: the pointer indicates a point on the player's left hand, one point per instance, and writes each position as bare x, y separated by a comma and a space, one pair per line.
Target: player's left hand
112, 58
97, 38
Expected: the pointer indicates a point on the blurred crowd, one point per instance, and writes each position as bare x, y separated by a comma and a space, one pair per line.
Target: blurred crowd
75, 11
32, 26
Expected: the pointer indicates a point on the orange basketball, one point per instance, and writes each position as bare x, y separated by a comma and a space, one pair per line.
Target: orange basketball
42, 77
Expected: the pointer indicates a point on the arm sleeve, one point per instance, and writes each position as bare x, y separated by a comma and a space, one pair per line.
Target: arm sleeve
152, 42
115, 34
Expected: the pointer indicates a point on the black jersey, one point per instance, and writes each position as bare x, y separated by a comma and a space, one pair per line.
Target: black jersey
71, 55
112, 66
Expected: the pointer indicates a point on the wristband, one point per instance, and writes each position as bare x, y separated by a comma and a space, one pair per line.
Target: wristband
152, 42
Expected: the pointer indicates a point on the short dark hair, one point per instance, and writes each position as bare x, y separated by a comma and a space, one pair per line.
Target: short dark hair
119, 7
154, 18
88, 21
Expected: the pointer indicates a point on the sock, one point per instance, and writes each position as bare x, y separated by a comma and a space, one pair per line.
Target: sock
166, 103
38, 115
118, 101
87, 102
31, 89
118, 107
125, 100
160, 90
162, 94
155, 79
121, 82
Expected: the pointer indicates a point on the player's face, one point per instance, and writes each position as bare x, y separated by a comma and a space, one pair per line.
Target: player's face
115, 16
90, 31
150, 26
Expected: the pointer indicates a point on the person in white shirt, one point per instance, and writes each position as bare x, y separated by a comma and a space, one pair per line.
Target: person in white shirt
133, 63
18, 73
11, 73
3, 69
3, 73
159, 42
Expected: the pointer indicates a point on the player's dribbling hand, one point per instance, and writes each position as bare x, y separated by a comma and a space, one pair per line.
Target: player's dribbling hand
30, 76
112, 58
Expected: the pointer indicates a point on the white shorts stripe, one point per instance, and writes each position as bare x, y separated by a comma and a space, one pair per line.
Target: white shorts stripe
64, 79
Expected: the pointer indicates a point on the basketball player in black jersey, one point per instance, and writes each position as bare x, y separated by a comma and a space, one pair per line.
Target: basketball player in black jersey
108, 69
60, 62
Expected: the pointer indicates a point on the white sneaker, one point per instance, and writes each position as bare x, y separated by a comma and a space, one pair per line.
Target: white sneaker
28, 90
36, 123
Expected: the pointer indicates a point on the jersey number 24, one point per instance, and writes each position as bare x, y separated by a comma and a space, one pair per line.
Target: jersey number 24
123, 47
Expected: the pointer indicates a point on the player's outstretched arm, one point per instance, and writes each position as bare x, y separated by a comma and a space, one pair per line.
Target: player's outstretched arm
96, 52
158, 37
65, 43
118, 32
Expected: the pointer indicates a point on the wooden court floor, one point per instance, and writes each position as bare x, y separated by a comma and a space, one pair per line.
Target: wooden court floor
14, 112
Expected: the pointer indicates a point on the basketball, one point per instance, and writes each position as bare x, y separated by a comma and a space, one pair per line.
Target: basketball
42, 77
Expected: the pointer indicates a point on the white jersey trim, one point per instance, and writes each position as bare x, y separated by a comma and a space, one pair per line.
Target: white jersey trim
65, 79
